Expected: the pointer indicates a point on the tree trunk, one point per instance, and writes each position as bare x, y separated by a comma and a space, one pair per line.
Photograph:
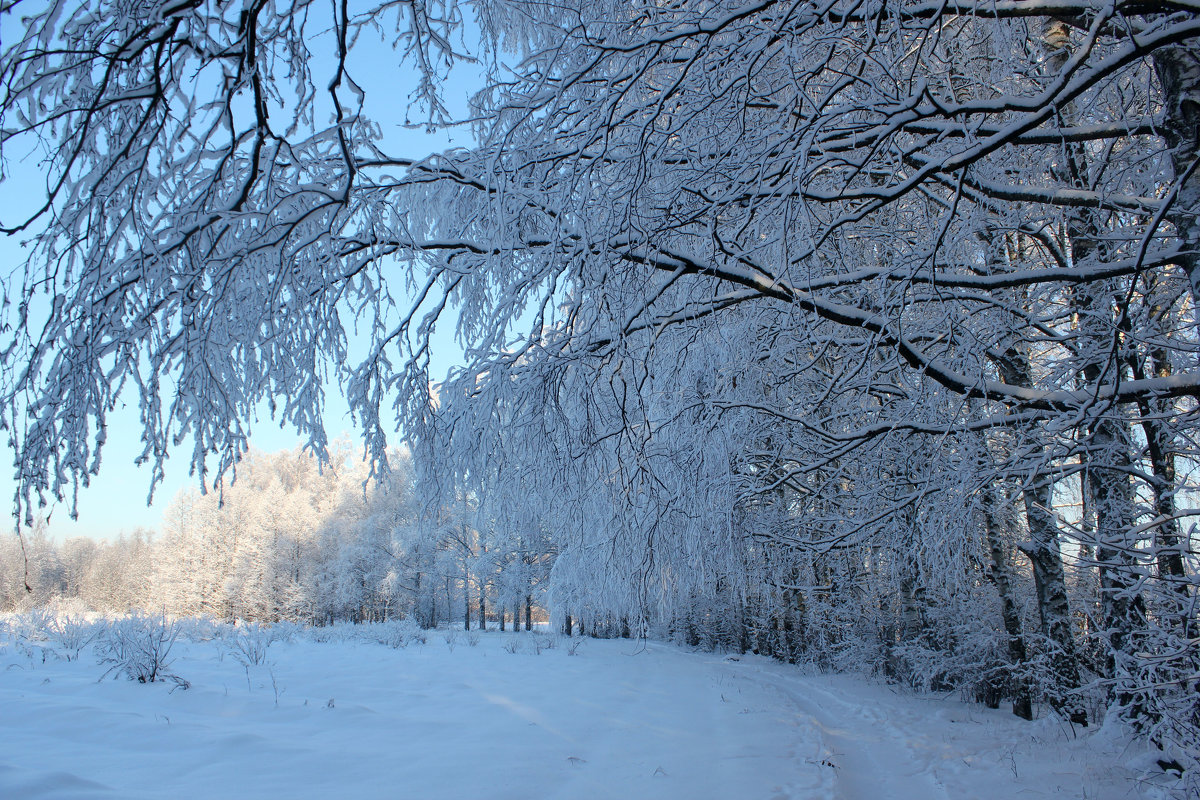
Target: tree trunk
1001, 576
467, 602
528, 612
1122, 608
417, 604
1053, 608
1106, 457
1043, 551
567, 626
482, 610
1159, 449
1107, 467
1119, 599
743, 627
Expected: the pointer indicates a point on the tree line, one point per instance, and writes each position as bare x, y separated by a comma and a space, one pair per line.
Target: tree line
293, 541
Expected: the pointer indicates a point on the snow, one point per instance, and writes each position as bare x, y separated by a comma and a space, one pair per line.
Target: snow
461, 717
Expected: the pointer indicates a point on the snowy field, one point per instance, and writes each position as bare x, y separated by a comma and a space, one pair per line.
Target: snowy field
503, 715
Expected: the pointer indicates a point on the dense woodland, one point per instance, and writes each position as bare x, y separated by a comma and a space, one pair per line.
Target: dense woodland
855, 333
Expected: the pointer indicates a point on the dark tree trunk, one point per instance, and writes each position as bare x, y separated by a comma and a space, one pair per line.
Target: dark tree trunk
1045, 558
1160, 451
1107, 466
466, 605
1002, 578
528, 612
743, 628
1121, 602
1106, 452
1053, 608
787, 634
417, 604
567, 626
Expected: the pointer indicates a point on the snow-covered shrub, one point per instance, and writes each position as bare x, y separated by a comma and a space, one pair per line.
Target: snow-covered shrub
52, 632
533, 643
200, 629
9, 636
33, 624
285, 631
68, 635
473, 638
395, 633
249, 642
337, 632
139, 647
21, 633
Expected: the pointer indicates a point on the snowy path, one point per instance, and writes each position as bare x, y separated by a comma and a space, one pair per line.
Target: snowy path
869, 755
618, 720
885, 744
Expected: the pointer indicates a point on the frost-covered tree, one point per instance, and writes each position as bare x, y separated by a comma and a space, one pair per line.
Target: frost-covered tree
289, 540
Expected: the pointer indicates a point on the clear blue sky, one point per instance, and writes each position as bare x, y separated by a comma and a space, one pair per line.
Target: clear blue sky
115, 501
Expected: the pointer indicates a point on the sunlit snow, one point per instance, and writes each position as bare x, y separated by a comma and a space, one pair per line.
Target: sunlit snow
333, 713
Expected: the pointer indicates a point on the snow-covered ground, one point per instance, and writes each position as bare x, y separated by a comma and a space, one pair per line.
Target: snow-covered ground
492, 717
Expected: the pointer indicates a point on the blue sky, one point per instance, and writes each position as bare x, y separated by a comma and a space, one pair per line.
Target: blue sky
115, 501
